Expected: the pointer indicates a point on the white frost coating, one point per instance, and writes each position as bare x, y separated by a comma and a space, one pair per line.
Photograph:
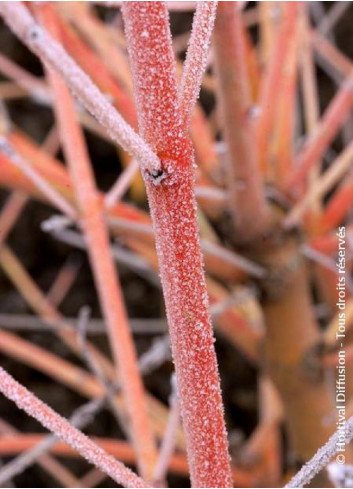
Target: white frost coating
196, 57
173, 210
50, 52
321, 458
51, 420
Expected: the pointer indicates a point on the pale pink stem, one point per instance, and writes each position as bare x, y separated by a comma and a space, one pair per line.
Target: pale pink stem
51, 52
58, 425
30, 83
168, 442
247, 201
121, 185
48, 191
10, 213
272, 79
196, 58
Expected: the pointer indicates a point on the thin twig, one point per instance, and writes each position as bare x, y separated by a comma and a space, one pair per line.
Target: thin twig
322, 457
81, 417
196, 57
25, 322
233, 258
93, 225
317, 143
121, 185
158, 353
332, 17
109, 388
34, 407
321, 186
64, 280
168, 442
32, 85
10, 213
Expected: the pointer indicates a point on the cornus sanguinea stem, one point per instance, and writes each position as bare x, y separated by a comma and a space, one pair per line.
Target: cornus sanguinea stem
322, 185
50, 52
272, 80
326, 130
246, 193
196, 58
51, 420
93, 224
121, 185
173, 210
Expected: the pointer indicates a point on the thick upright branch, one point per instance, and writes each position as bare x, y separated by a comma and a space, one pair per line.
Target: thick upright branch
246, 193
173, 210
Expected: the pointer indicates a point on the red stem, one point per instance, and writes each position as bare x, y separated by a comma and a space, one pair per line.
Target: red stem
272, 80
173, 209
29, 403
330, 123
337, 208
247, 199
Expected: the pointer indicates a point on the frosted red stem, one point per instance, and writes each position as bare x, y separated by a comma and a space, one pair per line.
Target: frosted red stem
51, 420
173, 209
196, 57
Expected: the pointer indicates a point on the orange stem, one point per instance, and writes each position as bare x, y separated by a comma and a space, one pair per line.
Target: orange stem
93, 224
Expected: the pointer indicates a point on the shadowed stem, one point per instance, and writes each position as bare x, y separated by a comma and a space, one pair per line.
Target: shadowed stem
246, 193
